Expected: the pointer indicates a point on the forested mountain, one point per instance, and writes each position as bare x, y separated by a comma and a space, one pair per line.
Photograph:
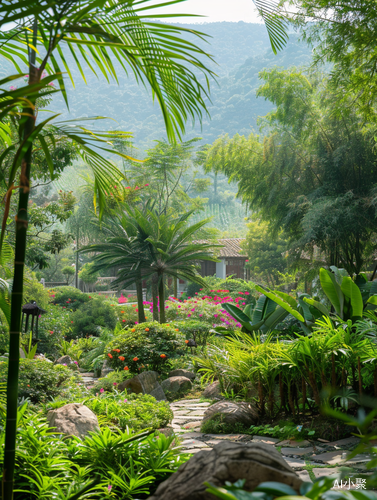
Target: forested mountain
240, 50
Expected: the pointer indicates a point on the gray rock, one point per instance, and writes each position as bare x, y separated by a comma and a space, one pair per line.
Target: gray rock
144, 383
176, 386
182, 373
64, 360
232, 413
254, 462
212, 391
74, 419
106, 369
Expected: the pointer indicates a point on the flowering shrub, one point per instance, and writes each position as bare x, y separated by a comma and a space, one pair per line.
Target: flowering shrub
147, 346
68, 297
39, 380
54, 326
239, 289
207, 309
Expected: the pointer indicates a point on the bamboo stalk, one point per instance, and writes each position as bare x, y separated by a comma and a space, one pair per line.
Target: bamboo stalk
303, 389
333, 373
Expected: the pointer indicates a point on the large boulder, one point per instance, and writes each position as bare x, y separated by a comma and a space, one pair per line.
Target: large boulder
64, 360
180, 372
254, 462
212, 391
106, 368
144, 383
176, 386
232, 413
74, 419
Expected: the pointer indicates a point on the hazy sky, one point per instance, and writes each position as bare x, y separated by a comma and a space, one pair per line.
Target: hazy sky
216, 10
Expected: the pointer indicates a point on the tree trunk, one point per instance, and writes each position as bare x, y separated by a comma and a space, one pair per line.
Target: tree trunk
290, 399
16, 300
314, 386
175, 287
155, 297
77, 257
375, 382
161, 296
140, 305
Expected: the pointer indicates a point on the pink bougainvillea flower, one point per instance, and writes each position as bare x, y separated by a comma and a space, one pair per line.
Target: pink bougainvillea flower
102, 390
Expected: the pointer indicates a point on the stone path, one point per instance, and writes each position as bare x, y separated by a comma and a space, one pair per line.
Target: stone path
88, 379
310, 459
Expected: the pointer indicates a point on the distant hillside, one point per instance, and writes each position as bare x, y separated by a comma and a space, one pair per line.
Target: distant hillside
241, 50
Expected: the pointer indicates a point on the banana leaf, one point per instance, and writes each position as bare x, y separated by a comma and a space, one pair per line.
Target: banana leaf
332, 290
352, 292
284, 300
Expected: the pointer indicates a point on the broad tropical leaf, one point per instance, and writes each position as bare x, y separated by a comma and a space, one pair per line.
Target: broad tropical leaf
332, 290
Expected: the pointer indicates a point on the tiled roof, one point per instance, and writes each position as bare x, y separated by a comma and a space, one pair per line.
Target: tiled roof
231, 247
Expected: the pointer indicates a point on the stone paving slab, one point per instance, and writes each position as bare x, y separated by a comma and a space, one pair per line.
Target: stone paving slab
186, 417
265, 439
297, 451
197, 405
193, 425
295, 463
193, 443
351, 441
193, 435
336, 457
196, 450
198, 413
325, 471
293, 444
228, 437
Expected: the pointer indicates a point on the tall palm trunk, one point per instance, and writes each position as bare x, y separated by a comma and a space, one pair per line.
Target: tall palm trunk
16, 299
161, 296
155, 296
140, 305
175, 287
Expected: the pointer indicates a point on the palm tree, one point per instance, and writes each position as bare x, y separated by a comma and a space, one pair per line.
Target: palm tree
143, 244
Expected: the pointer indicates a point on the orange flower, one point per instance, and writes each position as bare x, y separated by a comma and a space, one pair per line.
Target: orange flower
177, 329
110, 356
167, 324
186, 341
126, 368
147, 329
122, 358
135, 359
122, 312
133, 330
116, 350
163, 356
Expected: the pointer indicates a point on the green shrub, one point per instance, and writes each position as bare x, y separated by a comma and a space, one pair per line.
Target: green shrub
110, 382
4, 338
33, 290
147, 346
54, 327
68, 297
136, 411
39, 380
196, 330
92, 316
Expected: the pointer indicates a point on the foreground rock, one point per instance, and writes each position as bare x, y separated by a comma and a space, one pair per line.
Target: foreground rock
212, 391
232, 413
74, 419
106, 369
182, 373
64, 360
254, 462
176, 386
145, 383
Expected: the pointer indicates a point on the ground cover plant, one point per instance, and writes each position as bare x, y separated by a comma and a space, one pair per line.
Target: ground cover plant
107, 464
